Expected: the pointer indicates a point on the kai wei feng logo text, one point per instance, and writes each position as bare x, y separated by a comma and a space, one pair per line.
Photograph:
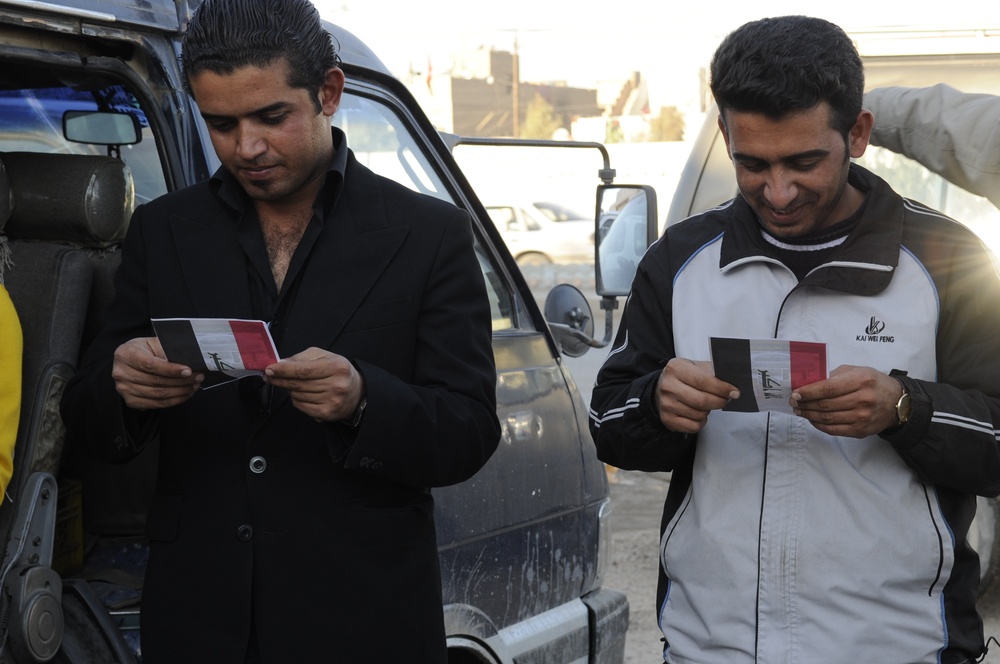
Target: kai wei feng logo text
873, 333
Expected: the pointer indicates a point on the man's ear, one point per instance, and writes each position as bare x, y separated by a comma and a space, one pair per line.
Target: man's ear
331, 91
861, 132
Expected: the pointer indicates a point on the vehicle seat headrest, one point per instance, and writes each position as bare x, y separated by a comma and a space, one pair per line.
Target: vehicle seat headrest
85, 200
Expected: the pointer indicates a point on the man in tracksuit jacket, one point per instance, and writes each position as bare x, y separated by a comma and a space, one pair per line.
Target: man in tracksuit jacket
836, 532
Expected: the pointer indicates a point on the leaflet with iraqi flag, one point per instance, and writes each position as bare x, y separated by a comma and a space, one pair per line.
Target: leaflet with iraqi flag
237, 348
766, 371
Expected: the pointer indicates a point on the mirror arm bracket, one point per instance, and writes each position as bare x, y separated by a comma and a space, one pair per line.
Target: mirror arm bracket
608, 305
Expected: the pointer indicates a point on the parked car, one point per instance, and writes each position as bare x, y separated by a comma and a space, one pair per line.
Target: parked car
559, 213
708, 179
523, 545
539, 233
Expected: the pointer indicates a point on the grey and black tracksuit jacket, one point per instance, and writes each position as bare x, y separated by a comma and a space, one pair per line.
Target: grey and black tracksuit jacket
781, 543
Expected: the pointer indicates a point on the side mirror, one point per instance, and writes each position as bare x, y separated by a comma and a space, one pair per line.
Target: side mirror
100, 128
570, 319
625, 227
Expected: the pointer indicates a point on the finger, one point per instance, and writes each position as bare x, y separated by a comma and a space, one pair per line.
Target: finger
677, 414
128, 374
700, 376
819, 391
305, 370
697, 391
857, 422
319, 410
686, 422
690, 401
145, 398
708, 383
853, 397
689, 413
306, 361
147, 363
325, 387
843, 380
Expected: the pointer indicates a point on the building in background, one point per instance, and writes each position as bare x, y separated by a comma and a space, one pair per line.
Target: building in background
482, 95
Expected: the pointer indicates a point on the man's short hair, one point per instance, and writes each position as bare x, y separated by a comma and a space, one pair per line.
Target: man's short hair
226, 35
775, 66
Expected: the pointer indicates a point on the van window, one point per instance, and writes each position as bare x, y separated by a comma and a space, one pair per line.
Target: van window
31, 121
384, 143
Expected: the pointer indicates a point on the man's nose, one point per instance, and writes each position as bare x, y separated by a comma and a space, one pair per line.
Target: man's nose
780, 189
249, 142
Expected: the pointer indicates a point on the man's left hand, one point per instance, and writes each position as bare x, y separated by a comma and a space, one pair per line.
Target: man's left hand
323, 385
854, 401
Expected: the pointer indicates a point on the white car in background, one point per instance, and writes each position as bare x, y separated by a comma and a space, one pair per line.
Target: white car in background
540, 233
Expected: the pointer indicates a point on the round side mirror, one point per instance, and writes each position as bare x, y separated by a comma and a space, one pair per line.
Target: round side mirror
570, 319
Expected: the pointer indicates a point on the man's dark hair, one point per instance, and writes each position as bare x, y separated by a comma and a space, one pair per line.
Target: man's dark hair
775, 66
226, 35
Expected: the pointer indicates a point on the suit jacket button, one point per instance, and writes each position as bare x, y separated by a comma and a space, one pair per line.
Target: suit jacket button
258, 464
244, 533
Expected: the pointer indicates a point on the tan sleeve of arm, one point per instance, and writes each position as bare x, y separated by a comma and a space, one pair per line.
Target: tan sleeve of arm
952, 133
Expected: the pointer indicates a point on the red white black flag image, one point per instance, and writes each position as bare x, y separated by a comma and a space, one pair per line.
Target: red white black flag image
767, 371
235, 347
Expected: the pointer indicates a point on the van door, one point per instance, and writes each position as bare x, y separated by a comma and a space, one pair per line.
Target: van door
521, 537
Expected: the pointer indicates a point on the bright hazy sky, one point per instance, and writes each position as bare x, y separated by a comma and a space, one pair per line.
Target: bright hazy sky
586, 42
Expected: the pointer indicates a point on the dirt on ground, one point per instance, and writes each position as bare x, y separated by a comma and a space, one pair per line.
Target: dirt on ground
637, 502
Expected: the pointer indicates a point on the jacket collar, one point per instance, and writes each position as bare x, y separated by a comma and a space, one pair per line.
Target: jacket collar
228, 189
863, 264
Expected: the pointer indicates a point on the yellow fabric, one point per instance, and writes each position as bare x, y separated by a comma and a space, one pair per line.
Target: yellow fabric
11, 346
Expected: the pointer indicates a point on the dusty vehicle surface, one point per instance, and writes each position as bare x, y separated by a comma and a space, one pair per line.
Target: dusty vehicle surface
93, 121
971, 65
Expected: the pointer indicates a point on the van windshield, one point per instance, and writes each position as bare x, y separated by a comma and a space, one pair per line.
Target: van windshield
31, 120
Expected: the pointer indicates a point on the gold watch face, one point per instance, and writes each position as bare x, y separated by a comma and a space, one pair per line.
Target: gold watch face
903, 408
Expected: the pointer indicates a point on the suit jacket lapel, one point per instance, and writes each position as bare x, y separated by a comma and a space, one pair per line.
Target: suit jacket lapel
354, 249
213, 265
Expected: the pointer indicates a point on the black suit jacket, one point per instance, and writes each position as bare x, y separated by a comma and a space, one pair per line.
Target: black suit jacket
331, 547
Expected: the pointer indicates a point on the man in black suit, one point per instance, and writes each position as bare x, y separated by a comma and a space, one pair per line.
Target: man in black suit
292, 520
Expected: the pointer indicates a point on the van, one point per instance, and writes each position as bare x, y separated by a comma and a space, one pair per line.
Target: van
93, 121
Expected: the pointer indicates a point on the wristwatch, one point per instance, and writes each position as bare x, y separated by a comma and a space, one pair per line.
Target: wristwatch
356, 420
903, 406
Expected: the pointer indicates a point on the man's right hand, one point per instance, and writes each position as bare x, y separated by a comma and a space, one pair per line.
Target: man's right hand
687, 392
146, 380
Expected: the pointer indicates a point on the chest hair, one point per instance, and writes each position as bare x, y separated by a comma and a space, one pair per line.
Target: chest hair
281, 237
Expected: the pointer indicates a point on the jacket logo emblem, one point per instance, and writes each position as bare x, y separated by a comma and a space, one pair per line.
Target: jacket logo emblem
873, 333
